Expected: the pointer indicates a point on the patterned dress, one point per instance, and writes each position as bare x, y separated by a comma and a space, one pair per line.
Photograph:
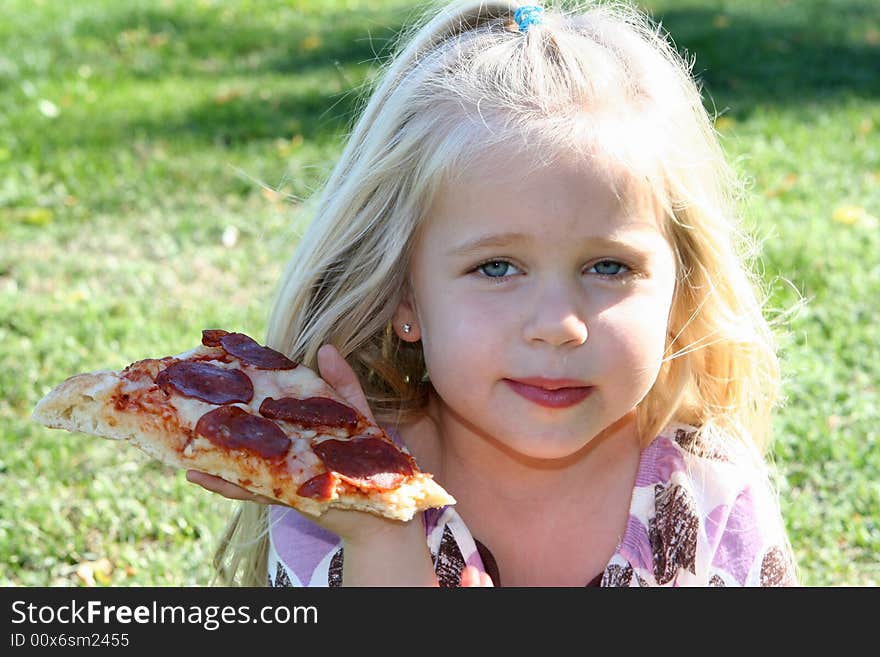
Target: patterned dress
695, 519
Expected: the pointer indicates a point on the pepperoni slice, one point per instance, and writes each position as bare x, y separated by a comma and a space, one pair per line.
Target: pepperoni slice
320, 487
210, 383
368, 462
246, 349
211, 337
232, 427
311, 412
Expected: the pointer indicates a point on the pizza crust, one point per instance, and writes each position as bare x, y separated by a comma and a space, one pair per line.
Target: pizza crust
78, 403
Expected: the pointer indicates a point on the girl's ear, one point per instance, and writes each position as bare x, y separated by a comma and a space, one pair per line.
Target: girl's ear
405, 320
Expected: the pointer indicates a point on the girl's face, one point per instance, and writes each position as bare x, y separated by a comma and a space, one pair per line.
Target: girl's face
541, 300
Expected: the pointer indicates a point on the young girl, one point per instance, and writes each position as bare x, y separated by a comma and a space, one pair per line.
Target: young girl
526, 267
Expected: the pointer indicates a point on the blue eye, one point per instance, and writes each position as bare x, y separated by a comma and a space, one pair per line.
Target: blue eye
609, 268
499, 270
495, 268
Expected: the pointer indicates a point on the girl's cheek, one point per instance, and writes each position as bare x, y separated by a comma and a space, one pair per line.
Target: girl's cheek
634, 333
468, 315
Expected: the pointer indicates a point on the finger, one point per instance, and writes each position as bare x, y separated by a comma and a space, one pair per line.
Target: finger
468, 576
225, 488
334, 369
472, 577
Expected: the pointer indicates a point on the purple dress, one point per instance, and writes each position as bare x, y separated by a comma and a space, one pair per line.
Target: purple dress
695, 519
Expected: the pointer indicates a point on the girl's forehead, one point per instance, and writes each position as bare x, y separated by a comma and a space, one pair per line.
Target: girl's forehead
548, 198
621, 165
512, 172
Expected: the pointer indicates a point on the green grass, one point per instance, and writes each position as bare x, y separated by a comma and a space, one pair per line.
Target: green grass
134, 135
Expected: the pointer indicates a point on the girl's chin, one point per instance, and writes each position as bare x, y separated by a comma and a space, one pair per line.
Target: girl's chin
544, 445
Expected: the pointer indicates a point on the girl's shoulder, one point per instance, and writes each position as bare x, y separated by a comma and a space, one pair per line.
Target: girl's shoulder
703, 461
704, 511
714, 471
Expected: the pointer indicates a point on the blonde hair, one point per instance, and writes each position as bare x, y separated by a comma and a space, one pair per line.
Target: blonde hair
597, 77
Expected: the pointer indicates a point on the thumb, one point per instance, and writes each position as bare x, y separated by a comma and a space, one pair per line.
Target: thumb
471, 577
334, 369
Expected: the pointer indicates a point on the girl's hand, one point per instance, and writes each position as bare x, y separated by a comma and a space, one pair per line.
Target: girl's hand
225, 488
472, 576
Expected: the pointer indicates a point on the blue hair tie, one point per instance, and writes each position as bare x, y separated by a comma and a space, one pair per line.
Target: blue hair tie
528, 15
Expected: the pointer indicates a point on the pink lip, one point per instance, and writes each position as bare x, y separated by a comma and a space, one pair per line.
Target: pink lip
552, 393
550, 384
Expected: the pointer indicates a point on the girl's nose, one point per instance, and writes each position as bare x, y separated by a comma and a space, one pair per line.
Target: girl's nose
556, 321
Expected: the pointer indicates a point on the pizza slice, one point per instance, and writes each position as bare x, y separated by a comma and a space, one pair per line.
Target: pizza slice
244, 412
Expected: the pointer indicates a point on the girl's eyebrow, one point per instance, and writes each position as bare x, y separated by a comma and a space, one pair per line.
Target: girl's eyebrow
638, 240
485, 241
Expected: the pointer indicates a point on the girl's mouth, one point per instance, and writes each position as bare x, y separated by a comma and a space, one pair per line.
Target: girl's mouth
558, 398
